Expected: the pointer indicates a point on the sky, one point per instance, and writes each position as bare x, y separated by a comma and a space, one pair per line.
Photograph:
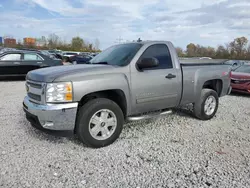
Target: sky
205, 22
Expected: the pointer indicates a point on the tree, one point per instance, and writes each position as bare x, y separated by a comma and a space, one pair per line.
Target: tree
180, 52
199, 50
43, 41
210, 52
19, 44
97, 44
238, 47
222, 52
90, 47
77, 43
191, 50
248, 53
53, 41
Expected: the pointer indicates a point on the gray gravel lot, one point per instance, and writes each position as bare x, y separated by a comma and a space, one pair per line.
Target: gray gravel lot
173, 151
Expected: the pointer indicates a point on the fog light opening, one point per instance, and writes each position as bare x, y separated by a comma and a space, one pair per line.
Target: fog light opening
48, 124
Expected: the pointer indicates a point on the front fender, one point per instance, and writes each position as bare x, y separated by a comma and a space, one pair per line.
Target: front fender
102, 82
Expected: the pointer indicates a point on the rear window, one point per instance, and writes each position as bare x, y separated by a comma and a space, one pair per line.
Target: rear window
32, 57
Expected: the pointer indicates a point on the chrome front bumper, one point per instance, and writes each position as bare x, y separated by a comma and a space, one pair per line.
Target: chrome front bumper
229, 90
51, 116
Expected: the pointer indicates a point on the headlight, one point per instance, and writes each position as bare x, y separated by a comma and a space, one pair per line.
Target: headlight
59, 92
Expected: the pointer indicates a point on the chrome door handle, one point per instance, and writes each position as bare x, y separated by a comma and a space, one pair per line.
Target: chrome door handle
17, 63
39, 62
170, 76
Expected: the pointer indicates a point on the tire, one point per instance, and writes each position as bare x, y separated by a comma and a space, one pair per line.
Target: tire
94, 108
199, 106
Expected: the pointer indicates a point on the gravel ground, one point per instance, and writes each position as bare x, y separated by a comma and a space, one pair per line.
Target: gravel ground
173, 151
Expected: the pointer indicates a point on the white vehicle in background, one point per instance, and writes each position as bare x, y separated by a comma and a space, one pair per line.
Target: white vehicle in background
205, 58
70, 54
67, 55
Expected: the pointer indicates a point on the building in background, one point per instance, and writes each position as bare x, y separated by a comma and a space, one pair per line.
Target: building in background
29, 41
40, 42
1, 40
9, 42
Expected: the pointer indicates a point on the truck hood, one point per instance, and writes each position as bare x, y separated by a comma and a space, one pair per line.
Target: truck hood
51, 73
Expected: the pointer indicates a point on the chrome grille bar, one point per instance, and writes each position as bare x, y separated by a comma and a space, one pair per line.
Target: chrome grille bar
35, 91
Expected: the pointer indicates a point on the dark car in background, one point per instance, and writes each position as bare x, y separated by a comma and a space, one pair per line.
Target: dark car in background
56, 56
19, 63
3, 49
240, 80
234, 64
66, 55
52, 55
80, 59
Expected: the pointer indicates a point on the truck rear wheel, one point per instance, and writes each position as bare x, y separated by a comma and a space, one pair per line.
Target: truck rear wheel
99, 122
207, 105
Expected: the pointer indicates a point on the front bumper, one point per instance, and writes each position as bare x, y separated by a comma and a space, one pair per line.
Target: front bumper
51, 116
242, 88
241, 91
229, 90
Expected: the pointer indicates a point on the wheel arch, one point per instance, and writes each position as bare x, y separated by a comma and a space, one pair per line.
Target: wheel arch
116, 95
215, 84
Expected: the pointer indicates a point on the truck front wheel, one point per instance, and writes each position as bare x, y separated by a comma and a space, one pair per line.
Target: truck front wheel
206, 107
99, 122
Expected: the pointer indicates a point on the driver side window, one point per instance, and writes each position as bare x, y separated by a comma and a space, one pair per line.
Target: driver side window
161, 53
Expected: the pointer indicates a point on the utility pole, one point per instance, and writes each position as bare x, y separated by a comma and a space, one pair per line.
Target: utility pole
119, 40
139, 40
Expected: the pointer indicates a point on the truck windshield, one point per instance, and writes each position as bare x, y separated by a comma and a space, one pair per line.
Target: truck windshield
119, 55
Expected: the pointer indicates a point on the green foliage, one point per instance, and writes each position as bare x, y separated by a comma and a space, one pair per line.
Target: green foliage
191, 50
53, 41
180, 52
77, 43
237, 49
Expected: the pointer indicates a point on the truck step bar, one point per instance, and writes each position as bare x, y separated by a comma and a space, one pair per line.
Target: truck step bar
149, 115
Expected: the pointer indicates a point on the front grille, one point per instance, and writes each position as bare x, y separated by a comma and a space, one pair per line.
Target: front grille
35, 85
34, 96
35, 91
239, 81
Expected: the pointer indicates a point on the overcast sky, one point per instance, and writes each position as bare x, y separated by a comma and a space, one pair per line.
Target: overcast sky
207, 22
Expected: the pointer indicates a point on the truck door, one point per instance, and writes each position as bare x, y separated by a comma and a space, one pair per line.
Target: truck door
155, 88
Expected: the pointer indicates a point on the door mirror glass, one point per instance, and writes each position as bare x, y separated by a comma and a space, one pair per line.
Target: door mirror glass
147, 63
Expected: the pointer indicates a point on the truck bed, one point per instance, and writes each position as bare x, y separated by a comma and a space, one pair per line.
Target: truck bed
200, 62
196, 72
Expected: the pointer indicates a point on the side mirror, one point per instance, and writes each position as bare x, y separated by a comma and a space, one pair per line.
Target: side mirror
147, 63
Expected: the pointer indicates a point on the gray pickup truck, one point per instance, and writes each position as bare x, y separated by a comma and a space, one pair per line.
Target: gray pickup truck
131, 81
